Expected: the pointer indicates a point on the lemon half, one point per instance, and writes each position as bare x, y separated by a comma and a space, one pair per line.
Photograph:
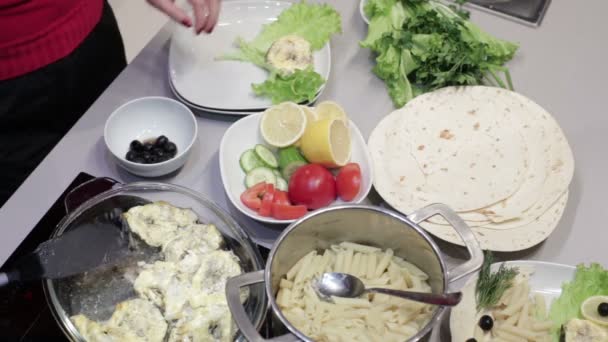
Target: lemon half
330, 110
327, 142
282, 125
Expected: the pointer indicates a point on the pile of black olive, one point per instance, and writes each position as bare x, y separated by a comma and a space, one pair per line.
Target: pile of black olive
151, 151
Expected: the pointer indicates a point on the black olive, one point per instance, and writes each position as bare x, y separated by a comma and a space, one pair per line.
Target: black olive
165, 157
148, 147
161, 141
153, 159
136, 146
146, 155
171, 148
486, 323
139, 160
471, 340
159, 152
602, 309
131, 155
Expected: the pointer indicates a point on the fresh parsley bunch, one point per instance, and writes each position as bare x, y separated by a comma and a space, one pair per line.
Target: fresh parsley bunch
423, 45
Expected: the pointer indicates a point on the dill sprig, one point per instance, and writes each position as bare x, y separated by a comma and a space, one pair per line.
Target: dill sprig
491, 286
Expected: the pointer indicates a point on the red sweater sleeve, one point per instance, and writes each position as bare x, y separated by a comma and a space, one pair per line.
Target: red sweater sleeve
36, 33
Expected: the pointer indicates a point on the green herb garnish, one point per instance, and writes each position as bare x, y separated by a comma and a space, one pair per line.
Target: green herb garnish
491, 286
424, 45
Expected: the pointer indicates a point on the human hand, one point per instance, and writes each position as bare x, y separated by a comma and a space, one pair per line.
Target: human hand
206, 13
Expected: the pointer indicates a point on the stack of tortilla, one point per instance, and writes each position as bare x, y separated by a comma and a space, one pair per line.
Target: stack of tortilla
495, 157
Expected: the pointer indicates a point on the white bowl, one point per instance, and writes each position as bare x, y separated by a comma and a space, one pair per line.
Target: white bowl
150, 117
245, 134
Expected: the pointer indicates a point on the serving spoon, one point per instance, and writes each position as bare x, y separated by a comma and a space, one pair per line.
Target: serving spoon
349, 286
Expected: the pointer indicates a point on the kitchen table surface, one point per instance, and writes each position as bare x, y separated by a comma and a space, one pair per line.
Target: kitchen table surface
561, 65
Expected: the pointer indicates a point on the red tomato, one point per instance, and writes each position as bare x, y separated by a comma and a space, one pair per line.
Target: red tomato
348, 181
313, 186
252, 197
267, 200
281, 197
288, 212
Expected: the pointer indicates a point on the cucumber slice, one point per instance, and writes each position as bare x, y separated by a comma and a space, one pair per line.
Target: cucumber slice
277, 173
249, 160
288, 155
282, 184
258, 175
291, 168
266, 156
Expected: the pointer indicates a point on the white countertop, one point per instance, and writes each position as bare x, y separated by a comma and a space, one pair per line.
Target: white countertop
560, 65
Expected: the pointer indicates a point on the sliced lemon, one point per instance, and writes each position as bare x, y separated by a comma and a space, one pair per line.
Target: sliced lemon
591, 309
330, 110
282, 125
311, 114
327, 142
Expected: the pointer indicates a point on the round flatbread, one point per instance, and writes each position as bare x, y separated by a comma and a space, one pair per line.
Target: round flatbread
508, 240
470, 156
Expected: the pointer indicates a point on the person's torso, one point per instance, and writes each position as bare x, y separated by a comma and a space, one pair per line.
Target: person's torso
23, 20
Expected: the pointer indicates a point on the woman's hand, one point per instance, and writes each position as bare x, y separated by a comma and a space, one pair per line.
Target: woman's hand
206, 13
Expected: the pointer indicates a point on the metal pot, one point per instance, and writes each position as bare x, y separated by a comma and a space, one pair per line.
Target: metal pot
96, 293
356, 223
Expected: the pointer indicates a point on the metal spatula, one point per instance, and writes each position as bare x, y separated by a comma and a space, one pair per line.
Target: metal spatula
79, 250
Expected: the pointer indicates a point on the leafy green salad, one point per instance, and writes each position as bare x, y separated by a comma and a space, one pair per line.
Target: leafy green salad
423, 45
284, 48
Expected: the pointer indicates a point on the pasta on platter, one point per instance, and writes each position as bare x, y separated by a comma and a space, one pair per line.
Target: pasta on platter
371, 317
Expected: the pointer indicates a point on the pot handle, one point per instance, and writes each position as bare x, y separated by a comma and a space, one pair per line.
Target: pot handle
87, 190
233, 296
463, 230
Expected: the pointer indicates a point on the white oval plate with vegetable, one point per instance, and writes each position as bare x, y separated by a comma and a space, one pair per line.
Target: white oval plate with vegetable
247, 159
224, 70
543, 297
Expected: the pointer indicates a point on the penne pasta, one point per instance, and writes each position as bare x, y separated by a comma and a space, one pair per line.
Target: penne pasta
372, 317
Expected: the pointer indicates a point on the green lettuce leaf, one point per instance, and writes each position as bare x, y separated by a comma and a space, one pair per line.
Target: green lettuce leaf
431, 46
300, 86
588, 281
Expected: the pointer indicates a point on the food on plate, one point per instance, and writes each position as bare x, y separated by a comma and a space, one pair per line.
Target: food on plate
348, 181
499, 305
327, 142
595, 309
520, 312
589, 282
284, 48
267, 201
425, 45
371, 317
330, 110
297, 135
491, 286
133, 320
181, 296
290, 53
578, 330
261, 165
151, 151
290, 159
312, 185
283, 124
495, 157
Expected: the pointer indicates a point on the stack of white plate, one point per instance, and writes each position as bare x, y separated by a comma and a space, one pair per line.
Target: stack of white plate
201, 81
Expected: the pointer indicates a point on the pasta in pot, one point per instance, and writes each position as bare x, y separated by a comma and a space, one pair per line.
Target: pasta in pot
373, 316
